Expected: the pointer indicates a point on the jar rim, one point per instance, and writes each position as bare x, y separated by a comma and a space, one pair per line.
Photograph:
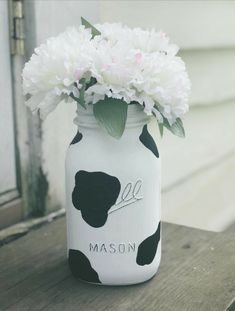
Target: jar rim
135, 116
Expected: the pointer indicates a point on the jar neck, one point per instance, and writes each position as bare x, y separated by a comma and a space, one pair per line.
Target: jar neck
135, 117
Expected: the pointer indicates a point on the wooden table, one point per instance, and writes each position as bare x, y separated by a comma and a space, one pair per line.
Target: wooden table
197, 273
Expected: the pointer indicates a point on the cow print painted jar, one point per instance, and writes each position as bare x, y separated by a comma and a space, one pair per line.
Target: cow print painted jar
113, 202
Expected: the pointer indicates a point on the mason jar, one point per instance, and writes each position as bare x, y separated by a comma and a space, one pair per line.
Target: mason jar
113, 201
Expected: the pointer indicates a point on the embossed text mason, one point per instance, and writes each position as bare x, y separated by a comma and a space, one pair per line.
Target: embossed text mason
112, 248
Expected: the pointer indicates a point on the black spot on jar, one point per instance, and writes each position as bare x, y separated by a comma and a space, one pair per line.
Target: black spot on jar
76, 138
148, 248
81, 268
94, 194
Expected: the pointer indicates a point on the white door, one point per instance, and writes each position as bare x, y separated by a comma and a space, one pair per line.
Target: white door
8, 183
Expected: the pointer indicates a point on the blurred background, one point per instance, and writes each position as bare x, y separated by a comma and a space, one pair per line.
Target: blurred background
198, 172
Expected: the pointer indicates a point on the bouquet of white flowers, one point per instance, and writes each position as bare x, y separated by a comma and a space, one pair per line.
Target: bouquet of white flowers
110, 66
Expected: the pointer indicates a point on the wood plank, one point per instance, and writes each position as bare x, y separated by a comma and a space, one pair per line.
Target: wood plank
8, 196
50, 24
210, 132
197, 273
212, 73
16, 231
191, 24
213, 186
10, 213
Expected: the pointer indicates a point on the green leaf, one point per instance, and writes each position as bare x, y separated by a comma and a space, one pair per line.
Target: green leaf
77, 100
94, 31
91, 82
176, 128
82, 91
160, 126
111, 114
80, 99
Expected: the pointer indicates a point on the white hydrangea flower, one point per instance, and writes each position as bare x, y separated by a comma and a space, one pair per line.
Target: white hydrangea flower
55, 67
129, 64
137, 38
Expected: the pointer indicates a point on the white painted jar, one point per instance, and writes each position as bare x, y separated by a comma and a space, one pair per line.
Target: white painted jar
113, 202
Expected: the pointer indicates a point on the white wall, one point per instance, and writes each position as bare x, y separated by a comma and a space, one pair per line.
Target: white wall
198, 171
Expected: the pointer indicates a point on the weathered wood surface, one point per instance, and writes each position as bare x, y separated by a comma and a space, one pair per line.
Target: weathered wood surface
197, 273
